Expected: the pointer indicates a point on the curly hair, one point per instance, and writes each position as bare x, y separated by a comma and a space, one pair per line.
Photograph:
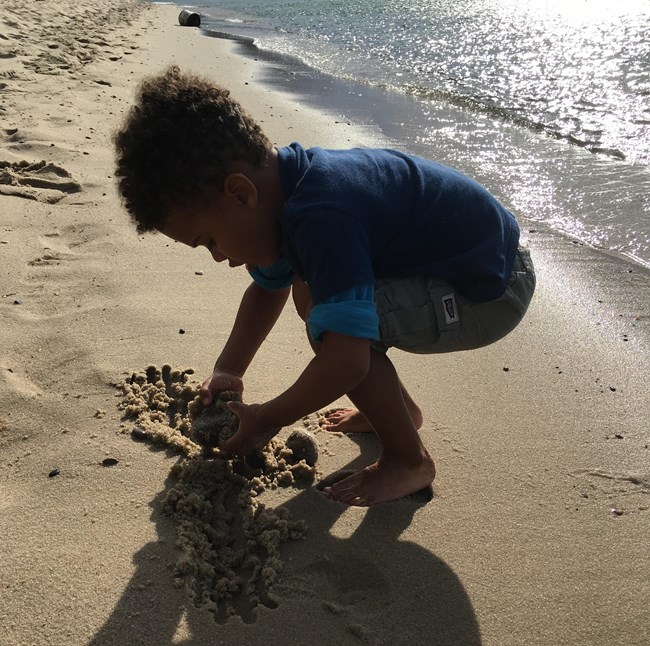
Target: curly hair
176, 142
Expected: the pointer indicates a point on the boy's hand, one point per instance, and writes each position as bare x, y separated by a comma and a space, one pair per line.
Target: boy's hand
253, 433
217, 382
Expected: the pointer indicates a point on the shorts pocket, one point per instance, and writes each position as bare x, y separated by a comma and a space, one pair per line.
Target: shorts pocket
410, 327
407, 318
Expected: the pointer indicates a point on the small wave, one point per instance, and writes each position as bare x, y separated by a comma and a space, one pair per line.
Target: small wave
480, 105
505, 114
213, 33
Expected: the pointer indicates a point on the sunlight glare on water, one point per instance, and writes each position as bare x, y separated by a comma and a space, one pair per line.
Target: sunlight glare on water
514, 92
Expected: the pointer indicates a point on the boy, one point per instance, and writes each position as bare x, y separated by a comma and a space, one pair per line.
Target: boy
379, 249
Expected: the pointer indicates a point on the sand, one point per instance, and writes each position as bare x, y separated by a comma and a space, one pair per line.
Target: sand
228, 539
537, 529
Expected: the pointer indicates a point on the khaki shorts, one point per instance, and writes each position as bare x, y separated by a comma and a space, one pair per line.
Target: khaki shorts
427, 315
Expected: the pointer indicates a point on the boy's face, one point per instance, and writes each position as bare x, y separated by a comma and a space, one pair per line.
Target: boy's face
233, 226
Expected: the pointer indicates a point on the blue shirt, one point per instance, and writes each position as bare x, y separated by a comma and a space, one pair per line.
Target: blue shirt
351, 216
351, 312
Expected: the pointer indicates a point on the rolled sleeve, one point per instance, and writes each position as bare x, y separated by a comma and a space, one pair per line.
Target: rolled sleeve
277, 276
352, 313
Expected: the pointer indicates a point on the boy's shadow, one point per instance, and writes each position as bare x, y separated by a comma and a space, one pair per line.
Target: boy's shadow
370, 586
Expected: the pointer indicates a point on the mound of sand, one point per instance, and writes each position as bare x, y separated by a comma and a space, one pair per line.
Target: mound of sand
229, 540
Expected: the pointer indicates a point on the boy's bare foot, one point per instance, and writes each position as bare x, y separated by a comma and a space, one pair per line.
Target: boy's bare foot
385, 480
346, 420
350, 420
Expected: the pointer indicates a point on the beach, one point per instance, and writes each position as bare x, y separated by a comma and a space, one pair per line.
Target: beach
537, 529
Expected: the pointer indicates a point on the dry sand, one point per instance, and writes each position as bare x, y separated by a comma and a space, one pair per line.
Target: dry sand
537, 532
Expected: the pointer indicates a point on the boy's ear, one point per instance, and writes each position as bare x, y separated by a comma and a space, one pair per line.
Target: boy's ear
239, 187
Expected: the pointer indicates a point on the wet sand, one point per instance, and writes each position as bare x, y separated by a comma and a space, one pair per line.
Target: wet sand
536, 533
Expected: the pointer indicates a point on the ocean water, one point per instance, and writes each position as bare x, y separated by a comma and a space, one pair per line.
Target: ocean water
547, 102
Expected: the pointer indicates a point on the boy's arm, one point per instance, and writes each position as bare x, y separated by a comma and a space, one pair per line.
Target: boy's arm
258, 311
341, 363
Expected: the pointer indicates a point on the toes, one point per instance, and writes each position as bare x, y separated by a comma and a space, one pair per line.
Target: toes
355, 499
349, 492
330, 480
328, 421
343, 487
336, 415
347, 498
341, 494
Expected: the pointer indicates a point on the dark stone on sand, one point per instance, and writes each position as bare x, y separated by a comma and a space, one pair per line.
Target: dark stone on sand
109, 462
181, 331
54, 472
18, 302
303, 445
139, 435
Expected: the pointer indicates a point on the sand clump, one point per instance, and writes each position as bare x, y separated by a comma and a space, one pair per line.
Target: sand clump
229, 540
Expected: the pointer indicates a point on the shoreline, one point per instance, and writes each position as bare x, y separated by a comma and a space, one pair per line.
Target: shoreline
540, 440
413, 124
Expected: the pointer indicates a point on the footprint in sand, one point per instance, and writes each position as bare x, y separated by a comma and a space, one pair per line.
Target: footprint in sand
623, 492
47, 259
40, 181
55, 251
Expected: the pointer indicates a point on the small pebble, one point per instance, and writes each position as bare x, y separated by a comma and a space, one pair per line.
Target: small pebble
618, 436
139, 435
18, 302
612, 389
506, 369
109, 462
181, 331
199, 273
54, 472
616, 512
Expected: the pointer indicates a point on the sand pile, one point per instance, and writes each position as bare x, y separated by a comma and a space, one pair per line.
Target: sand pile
228, 538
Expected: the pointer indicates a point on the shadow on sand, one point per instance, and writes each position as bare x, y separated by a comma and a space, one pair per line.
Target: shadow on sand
369, 587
